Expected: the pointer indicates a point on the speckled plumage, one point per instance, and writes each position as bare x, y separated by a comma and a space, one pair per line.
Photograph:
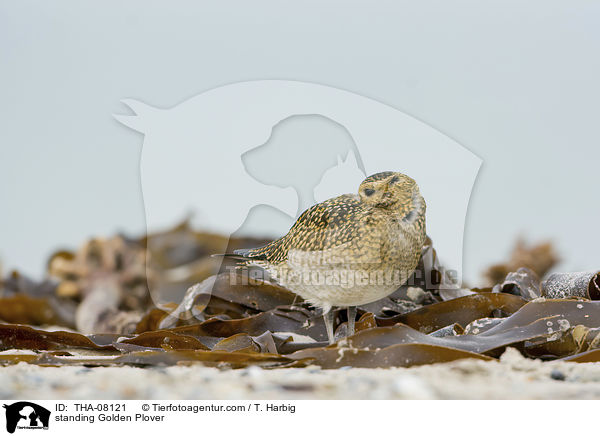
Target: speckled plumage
338, 250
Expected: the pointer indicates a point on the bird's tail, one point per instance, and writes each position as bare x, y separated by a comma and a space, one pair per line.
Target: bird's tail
243, 254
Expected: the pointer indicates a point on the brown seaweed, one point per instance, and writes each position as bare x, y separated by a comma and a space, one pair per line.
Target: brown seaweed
277, 320
24, 337
229, 290
399, 355
461, 310
167, 358
382, 337
585, 357
541, 323
228, 319
24, 309
165, 339
539, 258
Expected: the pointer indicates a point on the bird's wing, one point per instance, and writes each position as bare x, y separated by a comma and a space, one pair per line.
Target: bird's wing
325, 233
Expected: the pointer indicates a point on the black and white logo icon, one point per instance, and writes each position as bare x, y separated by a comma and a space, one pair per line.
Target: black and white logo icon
26, 415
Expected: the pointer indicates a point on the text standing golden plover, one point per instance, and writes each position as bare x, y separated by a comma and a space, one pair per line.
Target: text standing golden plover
350, 250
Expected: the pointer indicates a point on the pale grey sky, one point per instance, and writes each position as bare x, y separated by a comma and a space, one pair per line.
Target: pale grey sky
514, 82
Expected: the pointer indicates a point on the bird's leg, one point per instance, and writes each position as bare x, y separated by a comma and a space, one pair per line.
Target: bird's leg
328, 317
294, 302
351, 318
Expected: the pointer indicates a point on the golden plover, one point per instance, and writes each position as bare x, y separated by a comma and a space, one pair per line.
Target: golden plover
349, 250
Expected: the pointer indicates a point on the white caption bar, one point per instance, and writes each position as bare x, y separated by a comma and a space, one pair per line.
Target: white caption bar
307, 418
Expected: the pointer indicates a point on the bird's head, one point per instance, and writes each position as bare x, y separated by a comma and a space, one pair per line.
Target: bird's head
393, 191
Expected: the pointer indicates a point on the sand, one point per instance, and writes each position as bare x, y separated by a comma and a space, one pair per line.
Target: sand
512, 377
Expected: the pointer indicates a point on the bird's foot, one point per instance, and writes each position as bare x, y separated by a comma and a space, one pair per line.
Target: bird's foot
351, 319
328, 317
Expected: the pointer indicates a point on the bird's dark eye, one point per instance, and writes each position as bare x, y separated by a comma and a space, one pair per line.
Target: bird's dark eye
368, 192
